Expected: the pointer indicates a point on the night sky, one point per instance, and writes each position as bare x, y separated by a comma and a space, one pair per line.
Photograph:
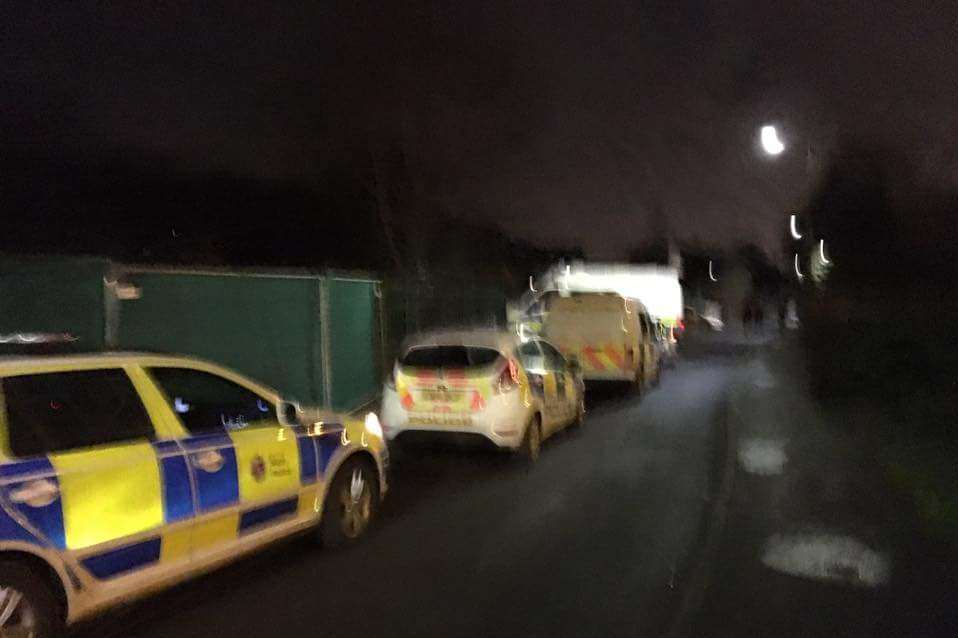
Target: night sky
599, 122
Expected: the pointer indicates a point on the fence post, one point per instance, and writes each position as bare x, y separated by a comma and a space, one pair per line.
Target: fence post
325, 332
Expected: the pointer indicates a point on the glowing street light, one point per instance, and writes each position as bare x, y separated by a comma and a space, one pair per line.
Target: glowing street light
793, 226
770, 142
798, 273
711, 276
821, 252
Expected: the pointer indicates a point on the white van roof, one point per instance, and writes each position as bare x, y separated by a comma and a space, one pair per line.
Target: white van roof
553, 296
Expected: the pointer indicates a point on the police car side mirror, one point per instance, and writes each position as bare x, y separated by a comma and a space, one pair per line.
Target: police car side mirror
287, 413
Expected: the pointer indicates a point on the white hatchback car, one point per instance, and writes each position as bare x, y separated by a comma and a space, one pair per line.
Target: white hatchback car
482, 384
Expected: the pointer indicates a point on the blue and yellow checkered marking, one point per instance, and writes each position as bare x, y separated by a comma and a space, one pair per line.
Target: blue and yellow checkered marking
123, 559
163, 495
329, 443
219, 489
252, 519
307, 455
175, 475
48, 520
11, 530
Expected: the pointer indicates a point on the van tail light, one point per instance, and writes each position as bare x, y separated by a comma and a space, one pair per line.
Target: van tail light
508, 379
406, 400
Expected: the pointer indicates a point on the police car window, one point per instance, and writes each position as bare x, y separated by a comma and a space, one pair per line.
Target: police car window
554, 358
449, 356
69, 410
206, 402
531, 356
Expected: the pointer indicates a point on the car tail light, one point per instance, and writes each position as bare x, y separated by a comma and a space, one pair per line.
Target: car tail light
478, 403
508, 379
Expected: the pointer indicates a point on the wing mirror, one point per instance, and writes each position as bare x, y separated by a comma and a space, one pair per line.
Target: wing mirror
287, 413
572, 363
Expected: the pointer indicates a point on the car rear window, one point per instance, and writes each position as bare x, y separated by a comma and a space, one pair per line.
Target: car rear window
449, 357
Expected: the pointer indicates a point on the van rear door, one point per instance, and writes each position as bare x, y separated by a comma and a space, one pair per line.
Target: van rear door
596, 328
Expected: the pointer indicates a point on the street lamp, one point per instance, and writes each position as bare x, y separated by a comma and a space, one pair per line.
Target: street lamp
770, 142
793, 226
821, 252
711, 276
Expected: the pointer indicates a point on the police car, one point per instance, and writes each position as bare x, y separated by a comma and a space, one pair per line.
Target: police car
513, 392
124, 473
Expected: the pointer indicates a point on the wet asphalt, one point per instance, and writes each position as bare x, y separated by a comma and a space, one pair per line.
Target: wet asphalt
857, 563
594, 539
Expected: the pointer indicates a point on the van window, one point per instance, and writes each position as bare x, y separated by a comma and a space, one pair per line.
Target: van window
207, 402
449, 356
59, 411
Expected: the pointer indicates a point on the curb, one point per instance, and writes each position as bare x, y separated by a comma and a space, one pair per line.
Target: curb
697, 581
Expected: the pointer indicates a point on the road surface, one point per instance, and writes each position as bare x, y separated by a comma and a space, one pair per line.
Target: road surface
593, 539
818, 542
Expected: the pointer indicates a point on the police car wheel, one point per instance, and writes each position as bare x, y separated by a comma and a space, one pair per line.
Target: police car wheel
350, 503
579, 413
28, 605
532, 442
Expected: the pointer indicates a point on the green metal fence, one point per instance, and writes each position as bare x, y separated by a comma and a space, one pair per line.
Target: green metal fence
54, 295
416, 306
265, 326
323, 339
354, 341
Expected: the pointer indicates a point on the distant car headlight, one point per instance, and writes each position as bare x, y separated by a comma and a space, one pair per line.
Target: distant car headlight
373, 426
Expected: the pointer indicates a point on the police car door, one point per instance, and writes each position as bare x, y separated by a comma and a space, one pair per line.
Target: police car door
542, 381
84, 476
245, 465
564, 382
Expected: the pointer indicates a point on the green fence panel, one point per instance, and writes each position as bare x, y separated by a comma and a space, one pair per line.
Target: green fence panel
353, 342
61, 295
266, 327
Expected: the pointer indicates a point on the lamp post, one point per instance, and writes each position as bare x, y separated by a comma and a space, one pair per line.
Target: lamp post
772, 145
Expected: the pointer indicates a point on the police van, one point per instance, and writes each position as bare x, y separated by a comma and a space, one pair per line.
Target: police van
611, 336
121, 474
